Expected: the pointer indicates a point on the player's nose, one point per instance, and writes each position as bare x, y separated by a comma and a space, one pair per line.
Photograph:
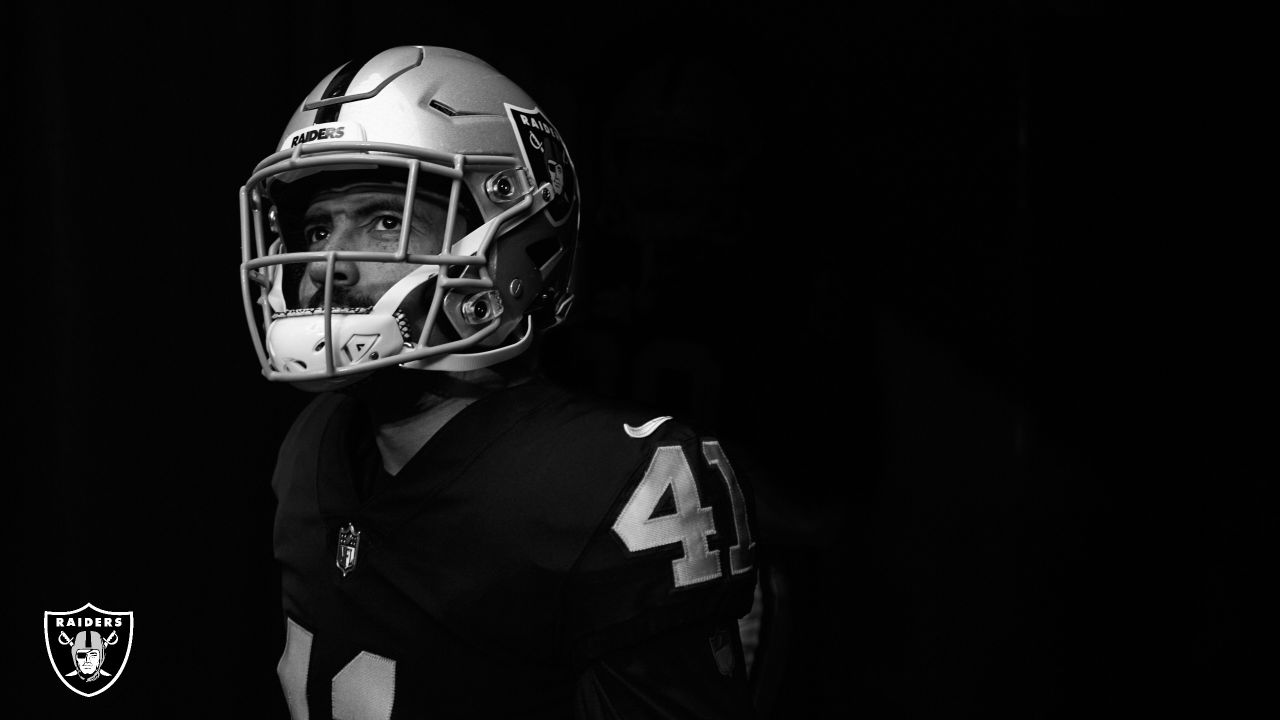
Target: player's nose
345, 272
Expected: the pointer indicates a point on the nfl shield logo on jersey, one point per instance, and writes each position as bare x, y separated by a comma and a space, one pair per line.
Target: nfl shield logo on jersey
348, 548
88, 647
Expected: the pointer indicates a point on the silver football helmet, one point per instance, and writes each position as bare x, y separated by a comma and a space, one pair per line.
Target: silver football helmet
435, 125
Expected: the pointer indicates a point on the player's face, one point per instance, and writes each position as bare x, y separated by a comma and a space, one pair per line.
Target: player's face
87, 661
368, 221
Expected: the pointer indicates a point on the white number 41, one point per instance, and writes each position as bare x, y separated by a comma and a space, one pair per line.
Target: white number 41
691, 524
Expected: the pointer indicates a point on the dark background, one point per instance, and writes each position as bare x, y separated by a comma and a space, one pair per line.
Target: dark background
948, 278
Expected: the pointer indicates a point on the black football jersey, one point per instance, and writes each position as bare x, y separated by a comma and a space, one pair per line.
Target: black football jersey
542, 555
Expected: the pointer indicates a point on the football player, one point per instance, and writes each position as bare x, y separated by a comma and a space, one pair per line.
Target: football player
457, 536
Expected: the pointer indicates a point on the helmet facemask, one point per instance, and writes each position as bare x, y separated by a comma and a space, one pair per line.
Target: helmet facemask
459, 307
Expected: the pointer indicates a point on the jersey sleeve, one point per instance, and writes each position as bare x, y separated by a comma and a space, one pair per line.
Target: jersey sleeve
693, 671
673, 550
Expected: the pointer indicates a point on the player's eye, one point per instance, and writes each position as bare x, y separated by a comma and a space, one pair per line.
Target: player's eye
386, 222
316, 235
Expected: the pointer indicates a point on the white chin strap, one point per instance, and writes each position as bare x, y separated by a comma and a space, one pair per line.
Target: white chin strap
461, 362
393, 298
450, 362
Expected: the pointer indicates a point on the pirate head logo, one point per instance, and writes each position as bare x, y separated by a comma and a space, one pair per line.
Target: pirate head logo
88, 651
88, 647
547, 158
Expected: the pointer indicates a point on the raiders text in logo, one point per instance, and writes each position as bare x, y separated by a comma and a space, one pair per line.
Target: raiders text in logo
88, 647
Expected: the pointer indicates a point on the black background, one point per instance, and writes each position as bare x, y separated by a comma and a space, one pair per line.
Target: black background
949, 278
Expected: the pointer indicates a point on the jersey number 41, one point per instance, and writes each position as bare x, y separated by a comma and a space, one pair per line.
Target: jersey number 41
691, 524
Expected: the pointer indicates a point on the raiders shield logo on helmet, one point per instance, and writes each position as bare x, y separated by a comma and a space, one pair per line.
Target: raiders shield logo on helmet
88, 647
546, 156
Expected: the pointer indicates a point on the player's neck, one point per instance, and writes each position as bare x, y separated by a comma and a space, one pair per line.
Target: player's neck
399, 440
409, 407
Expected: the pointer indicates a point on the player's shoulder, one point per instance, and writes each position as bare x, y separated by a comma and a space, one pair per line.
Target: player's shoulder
559, 458
595, 417
668, 536
650, 520
574, 429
